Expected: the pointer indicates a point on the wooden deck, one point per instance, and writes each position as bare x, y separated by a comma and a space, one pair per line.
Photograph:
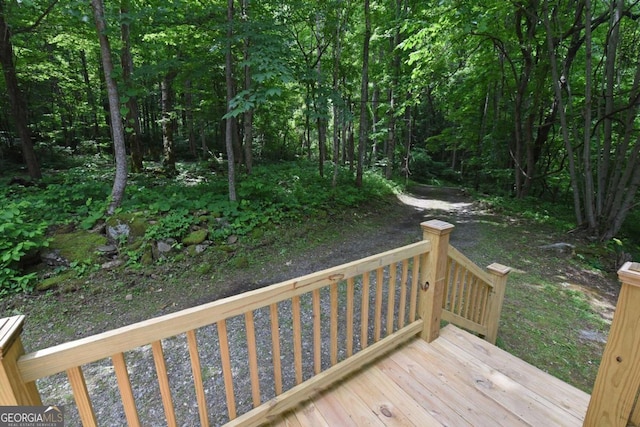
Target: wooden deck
457, 380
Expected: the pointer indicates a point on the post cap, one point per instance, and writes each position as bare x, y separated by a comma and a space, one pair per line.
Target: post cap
498, 269
436, 226
10, 329
630, 273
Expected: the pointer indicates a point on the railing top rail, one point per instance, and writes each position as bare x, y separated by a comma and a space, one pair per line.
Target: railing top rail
458, 256
61, 357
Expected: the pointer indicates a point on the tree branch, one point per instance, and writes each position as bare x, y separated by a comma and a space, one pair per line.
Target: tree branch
38, 21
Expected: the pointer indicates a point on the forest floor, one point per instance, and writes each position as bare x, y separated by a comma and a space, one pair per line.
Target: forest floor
556, 313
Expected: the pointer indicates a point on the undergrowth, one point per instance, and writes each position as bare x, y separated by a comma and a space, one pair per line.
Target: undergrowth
79, 196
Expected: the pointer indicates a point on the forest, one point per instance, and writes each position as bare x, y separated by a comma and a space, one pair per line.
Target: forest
531, 100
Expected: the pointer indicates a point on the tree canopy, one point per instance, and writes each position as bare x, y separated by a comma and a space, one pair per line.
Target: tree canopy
534, 98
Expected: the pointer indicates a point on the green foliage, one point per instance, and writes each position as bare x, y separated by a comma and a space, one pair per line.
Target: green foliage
18, 237
172, 206
174, 225
556, 214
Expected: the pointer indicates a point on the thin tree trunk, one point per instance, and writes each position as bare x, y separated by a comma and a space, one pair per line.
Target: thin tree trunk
16, 98
120, 153
228, 137
133, 116
168, 123
589, 205
188, 114
248, 115
91, 99
337, 116
563, 118
609, 102
364, 96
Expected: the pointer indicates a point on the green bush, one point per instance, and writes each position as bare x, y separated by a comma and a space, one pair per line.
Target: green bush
17, 238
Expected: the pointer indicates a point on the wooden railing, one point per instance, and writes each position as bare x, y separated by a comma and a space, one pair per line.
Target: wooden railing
317, 328
614, 400
472, 297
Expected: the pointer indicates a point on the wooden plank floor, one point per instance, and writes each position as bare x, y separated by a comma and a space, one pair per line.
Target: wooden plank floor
458, 380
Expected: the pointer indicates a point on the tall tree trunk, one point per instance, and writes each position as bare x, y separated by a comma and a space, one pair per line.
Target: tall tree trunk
609, 103
228, 137
364, 96
248, 115
188, 117
393, 94
91, 98
589, 203
555, 75
120, 153
168, 123
133, 116
337, 115
16, 98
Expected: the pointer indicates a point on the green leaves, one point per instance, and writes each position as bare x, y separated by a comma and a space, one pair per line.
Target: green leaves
17, 238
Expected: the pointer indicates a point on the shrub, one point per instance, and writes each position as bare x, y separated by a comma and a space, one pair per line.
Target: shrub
17, 238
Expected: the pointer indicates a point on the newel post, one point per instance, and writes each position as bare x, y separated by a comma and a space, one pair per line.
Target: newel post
13, 391
433, 271
618, 377
499, 275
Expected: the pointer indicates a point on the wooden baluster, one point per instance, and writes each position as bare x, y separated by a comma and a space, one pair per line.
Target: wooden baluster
364, 312
226, 368
275, 344
378, 312
618, 379
81, 396
499, 274
333, 328
432, 277
198, 384
468, 298
126, 393
391, 299
402, 310
349, 315
455, 287
634, 420
253, 358
415, 284
317, 332
448, 283
13, 391
163, 381
297, 338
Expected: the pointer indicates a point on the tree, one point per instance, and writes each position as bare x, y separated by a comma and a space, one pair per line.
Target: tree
364, 95
16, 97
117, 129
228, 136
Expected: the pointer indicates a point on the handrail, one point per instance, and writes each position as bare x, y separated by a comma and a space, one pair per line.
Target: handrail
399, 292
61, 357
473, 297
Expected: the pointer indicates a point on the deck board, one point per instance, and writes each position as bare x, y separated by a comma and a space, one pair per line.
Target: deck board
457, 380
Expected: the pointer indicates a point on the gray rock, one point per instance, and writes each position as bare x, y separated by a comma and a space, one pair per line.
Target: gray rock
119, 232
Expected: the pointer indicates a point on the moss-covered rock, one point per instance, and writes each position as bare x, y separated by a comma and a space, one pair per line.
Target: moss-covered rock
78, 246
195, 237
55, 281
136, 222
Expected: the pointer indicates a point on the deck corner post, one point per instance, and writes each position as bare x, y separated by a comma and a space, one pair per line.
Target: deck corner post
618, 380
432, 277
13, 391
499, 274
